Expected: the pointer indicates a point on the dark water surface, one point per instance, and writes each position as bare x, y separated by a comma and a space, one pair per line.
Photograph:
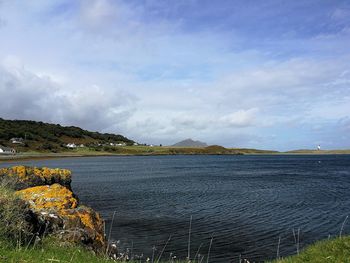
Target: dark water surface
246, 203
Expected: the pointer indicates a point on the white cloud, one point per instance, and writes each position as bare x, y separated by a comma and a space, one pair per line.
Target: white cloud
26, 95
105, 65
240, 118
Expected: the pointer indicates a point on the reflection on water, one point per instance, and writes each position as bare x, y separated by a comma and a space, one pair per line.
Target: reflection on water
244, 202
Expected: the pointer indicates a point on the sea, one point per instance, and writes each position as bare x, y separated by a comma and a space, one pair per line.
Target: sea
225, 207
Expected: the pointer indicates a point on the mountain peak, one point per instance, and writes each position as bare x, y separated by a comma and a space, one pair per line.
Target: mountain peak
190, 143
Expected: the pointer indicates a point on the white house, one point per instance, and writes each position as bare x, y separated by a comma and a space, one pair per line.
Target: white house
17, 140
7, 150
71, 145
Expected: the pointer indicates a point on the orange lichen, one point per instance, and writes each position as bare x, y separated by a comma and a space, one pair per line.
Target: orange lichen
26, 174
88, 219
20, 171
48, 194
51, 197
92, 222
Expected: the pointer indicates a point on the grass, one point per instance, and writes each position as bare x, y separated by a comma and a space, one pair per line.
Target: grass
132, 150
13, 212
334, 250
47, 251
155, 150
306, 151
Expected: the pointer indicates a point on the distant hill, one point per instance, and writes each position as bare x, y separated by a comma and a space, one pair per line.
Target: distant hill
190, 143
40, 136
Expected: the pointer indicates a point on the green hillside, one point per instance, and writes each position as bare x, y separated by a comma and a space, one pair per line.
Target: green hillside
45, 137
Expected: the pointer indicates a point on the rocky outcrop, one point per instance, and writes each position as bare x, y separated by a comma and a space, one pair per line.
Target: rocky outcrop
56, 209
26, 177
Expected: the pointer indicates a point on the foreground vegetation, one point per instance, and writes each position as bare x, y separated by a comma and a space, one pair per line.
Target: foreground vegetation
334, 250
47, 251
17, 242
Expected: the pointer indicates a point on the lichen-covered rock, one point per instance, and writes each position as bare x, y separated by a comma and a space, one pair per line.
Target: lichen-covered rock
84, 225
55, 208
49, 197
58, 213
32, 176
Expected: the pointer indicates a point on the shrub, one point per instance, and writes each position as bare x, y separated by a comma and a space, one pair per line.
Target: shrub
14, 213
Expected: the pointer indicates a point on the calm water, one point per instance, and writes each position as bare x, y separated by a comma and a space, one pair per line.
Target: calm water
244, 202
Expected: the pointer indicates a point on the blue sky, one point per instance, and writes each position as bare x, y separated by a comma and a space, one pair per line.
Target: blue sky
263, 74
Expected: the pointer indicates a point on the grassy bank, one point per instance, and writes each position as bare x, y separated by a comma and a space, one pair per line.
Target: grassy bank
318, 152
47, 252
132, 150
155, 150
334, 250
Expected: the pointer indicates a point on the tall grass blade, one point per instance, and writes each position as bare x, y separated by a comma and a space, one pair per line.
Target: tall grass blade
189, 240
110, 232
342, 226
195, 256
161, 253
278, 248
211, 242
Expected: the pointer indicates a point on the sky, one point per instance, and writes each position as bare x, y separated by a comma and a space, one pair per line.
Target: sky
239, 73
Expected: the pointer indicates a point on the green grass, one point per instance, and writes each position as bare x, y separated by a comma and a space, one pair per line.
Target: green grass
50, 251
13, 211
47, 251
132, 150
330, 251
306, 151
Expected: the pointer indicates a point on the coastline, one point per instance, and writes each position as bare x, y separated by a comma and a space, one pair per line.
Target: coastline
45, 156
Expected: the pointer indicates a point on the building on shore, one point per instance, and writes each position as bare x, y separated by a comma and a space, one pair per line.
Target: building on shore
71, 145
7, 150
17, 141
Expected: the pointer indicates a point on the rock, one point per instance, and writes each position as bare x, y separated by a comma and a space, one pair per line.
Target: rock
56, 210
49, 197
58, 213
32, 176
83, 225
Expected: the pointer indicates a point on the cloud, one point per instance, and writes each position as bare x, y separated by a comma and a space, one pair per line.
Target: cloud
240, 118
94, 15
2, 22
344, 124
341, 14
27, 95
164, 72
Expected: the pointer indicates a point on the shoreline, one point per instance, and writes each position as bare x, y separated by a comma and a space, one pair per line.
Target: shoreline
46, 156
